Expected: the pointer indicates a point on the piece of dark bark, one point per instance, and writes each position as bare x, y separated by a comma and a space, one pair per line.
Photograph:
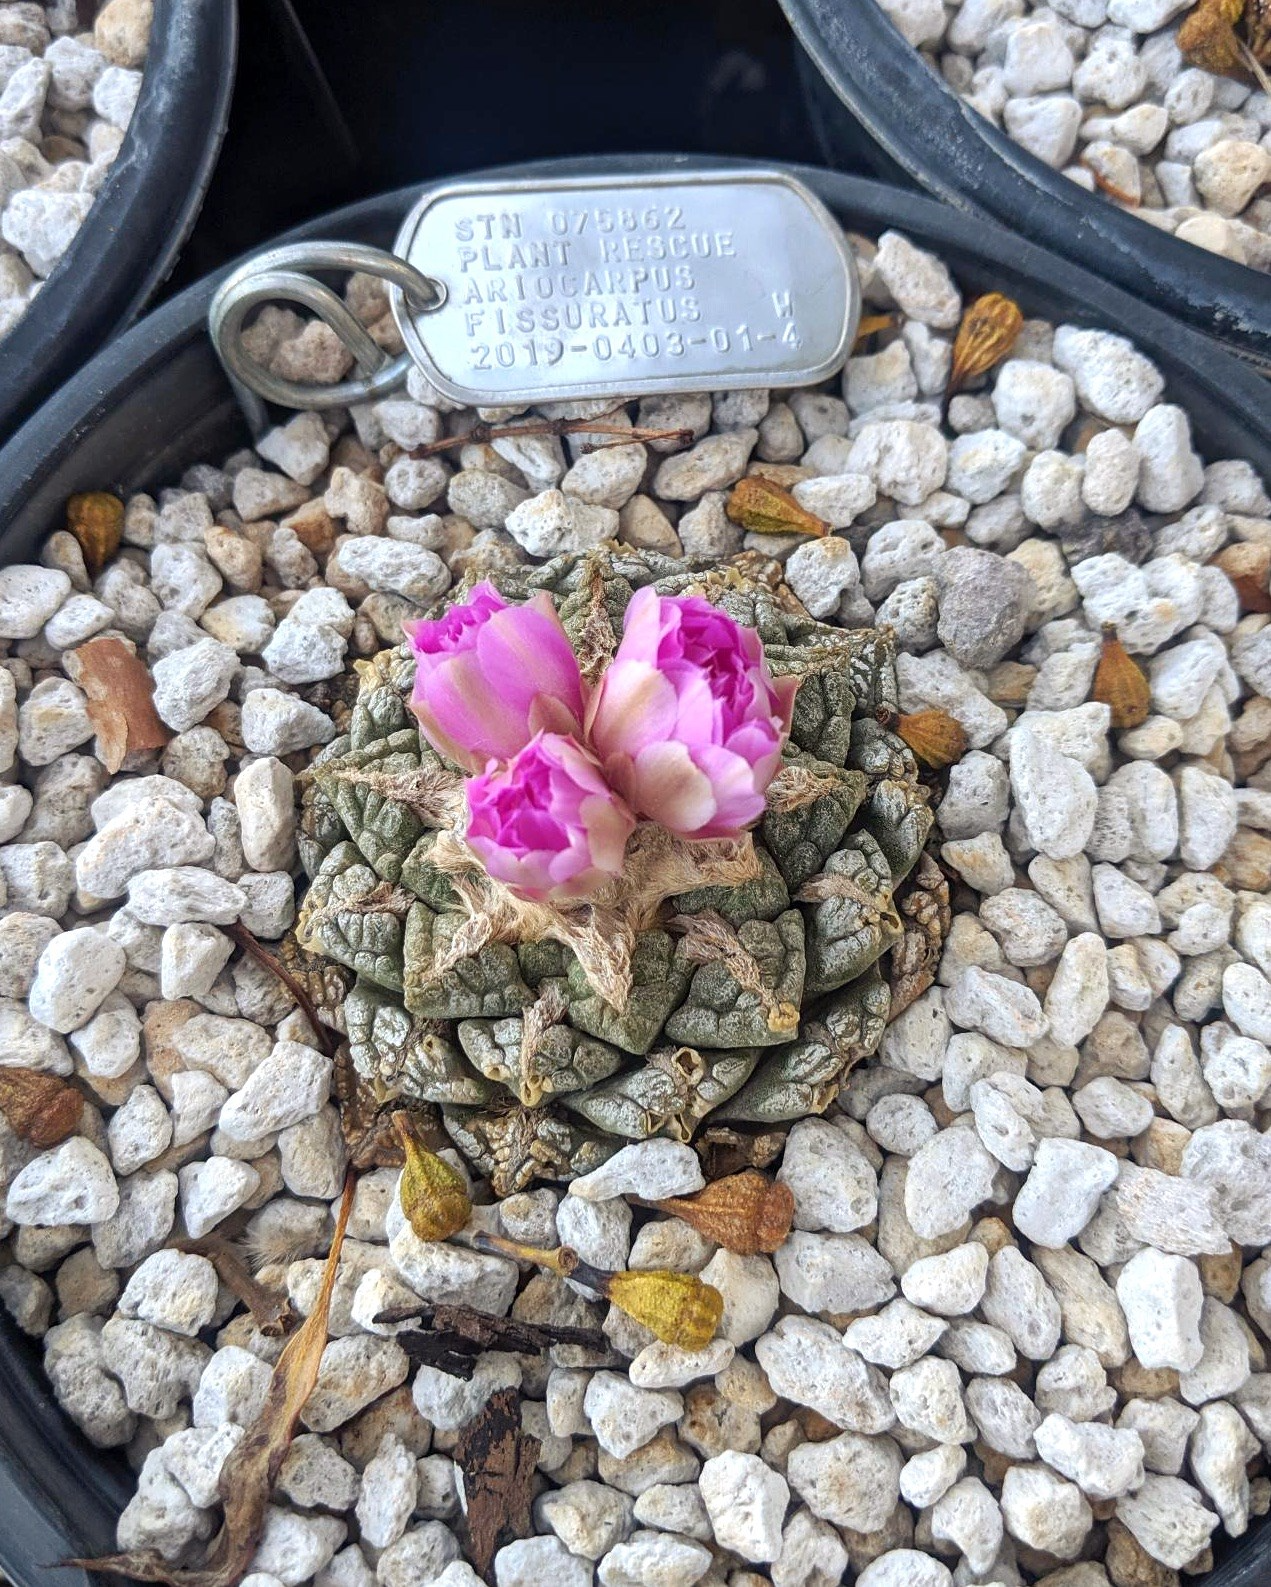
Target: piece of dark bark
456, 1336
498, 1462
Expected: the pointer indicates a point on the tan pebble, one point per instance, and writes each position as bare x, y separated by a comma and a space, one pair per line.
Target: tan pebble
1009, 683
313, 526
159, 1024
993, 1234
1247, 862
1144, 1383
1220, 1275
122, 31
1130, 1565
1161, 1146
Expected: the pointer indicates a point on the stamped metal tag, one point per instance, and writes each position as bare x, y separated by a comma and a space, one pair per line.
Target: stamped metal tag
585, 287
549, 288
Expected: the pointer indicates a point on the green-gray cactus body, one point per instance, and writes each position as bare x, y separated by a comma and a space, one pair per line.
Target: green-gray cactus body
741, 1002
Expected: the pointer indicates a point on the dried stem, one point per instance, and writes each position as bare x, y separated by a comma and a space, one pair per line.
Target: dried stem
238, 933
271, 1310
485, 432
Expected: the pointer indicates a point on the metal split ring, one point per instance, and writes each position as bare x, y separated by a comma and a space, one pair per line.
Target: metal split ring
282, 273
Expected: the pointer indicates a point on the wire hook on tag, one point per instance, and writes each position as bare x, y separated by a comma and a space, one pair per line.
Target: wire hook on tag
282, 273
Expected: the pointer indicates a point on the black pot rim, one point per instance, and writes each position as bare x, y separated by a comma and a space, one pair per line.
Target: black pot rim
57, 1495
955, 153
142, 213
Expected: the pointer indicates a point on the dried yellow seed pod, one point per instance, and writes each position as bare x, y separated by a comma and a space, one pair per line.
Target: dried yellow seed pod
678, 1307
935, 737
433, 1194
1119, 683
765, 508
745, 1212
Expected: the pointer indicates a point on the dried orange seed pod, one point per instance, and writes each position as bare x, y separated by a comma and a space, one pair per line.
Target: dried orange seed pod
765, 508
679, 1308
1119, 683
746, 1213
96, 519
987, 333
935, 737
433, 1194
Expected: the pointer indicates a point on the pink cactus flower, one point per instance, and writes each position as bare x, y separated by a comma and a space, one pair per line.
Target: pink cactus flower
488, 676
688, 721
547, 823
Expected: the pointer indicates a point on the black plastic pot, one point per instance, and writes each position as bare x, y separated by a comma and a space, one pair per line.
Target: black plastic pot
144, 210
156, 401
883, 110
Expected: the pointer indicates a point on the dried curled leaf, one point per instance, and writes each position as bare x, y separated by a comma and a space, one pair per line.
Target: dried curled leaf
1119, 683
120, 695
251, 1469
745, 1213
38, 1107
433, 1194
935, 737
96, 519
987, 333
765, 508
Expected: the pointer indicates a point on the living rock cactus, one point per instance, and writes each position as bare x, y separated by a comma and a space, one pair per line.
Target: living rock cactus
731, 981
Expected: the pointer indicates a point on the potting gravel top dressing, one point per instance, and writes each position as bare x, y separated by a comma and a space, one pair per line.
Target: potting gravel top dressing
1164, 106
67, 94
662, 990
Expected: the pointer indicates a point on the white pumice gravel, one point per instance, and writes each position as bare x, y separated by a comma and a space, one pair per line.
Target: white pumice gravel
1020, 1326
69, 80
1101, 91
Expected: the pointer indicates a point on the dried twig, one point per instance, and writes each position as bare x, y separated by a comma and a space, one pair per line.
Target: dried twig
481, 434
456, 1336
271, 1310
328, 1038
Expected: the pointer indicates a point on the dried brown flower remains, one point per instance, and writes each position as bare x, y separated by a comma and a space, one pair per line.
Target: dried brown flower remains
987, 333
1229, 37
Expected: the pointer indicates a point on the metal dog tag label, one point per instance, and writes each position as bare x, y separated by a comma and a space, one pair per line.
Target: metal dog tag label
556, 288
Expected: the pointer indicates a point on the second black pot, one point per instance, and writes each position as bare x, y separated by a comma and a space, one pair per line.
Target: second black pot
142, 213
875, 103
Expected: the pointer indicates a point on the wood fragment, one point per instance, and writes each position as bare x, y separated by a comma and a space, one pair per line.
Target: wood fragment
498, 1463
1105, 184
120, 695
251, 1469
455, 1337
39, 1108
